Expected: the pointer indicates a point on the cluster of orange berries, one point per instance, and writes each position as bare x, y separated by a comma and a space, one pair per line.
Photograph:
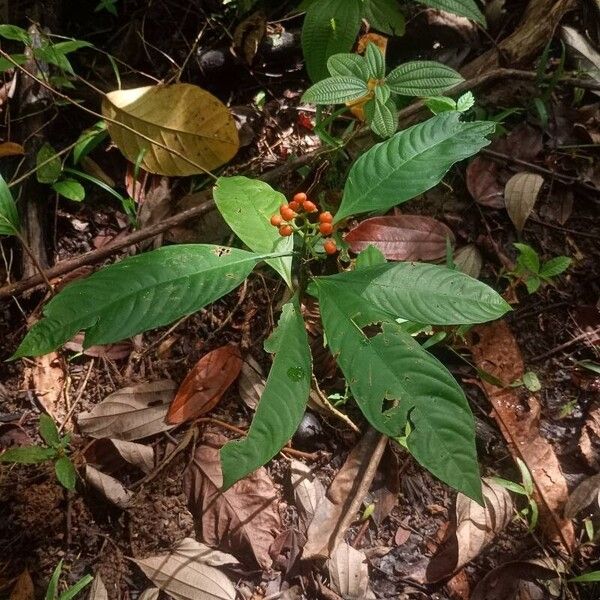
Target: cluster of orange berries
301, 203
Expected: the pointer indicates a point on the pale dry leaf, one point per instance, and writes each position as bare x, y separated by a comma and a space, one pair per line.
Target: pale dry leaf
190, 548
185, 576
476, 527
251, 383
182, 117
150, 594
23, 588
582, 496
244, 519
112, 489
520, 195
308, 490
98, 589
349, 573
131, 413
582, 52
113, 454
45, 377
468, 260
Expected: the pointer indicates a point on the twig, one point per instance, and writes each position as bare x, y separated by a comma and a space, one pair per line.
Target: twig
78, 396
578, 338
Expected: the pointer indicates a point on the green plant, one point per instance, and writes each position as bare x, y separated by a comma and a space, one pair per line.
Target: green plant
70, 593
110, 6
396, 383
50, 171
55, 450
359, 80
532, 272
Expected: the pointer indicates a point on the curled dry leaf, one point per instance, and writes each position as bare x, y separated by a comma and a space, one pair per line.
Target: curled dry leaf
583, 495
185, 119
495, 351
520, 195
98, 589
111, 454
401, 237
131, 413
308, 491
349, 573
251, 383
112, 489
184, 574
475, 527
205, 384
468, 260
244, 519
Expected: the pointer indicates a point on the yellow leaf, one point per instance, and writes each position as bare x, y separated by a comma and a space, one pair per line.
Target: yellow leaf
11, 149
184, 129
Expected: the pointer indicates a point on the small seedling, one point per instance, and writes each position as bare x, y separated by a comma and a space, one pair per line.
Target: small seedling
55, 450
532, 272
70, 593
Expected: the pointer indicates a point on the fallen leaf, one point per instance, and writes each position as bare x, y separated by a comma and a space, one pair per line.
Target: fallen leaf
251, 383
112, 489
495, 351
45, 377
338, 508
475, 527
117, 351
192, 549
308, 491
589, 440
349, 573
112, 454
402, 237
98, 589
248, 35
483, 182
458, 586
244, 519
583, 495
149, 594
205, 384
182, 117
11, 149
157, 204
131, 413
184, 575
520, 195
582, 52
23, 589
468, 260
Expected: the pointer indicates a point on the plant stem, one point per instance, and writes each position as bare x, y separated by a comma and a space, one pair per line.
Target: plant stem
36, 262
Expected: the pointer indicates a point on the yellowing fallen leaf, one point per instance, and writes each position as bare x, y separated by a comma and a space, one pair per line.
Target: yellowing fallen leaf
184, 129
11, 149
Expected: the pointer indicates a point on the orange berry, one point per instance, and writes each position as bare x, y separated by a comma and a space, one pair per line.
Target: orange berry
287, 213
300, 197
295, 205
276, 220
309, 206
330, 247
325, 217
286, 230
325, 228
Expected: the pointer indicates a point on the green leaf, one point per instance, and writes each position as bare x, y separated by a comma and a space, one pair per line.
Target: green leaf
48, 430
375, 61
27, 455
348, 65
410, 163
440, 104
382, 118
525, 476
417, 292
76, 589
282, 403
137, 294
70, 189
6, 64
517, 488
65, 472
533, 284
590, 577
247, 206
465, 102
335, 90
88, 140
55, 54
528, 258
555, 266
9, 217
53, 583
531, 381
395, 381
17, 34
385, 15
48, 163
422, 78
330, 27
463, 8
369, 257
382, 94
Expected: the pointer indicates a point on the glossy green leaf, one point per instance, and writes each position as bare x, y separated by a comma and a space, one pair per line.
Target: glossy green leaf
76, 589
385, 15
282, 403
88, 140
395, 381
555, 266
70, 189
330, 27
48, 430
528, 258
369, 257
9, 217
53, 583
375, 61
15, 33
348, 65
65, 472
247, 206
137, 294
335, 90
48, 164
410, 163
27, 455
417, 292
382, 117
463, 8
422, 78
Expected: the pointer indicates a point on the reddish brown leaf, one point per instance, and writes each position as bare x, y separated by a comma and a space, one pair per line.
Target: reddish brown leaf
204, 385
402, 237
496, 352
243, 520
483, 183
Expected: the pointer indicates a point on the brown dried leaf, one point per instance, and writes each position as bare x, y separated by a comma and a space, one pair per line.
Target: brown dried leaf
249, 34
583, 495
112, 489
468, 260
205, 384
45, 376
184, 575
475, 527
111, 454
251, 383
401, 237
349, 573
190, 548
131, 413
117, 351
495, 351
483, 182
308, 491
589, 440
244, 519
23, 589
11, 149
98, 589
150, 594
520, 195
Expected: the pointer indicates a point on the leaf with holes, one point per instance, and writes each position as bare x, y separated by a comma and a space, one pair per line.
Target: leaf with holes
283, 401
196, 130
335, 90
410, 163
463, 8
520, 195
137, 294
422, 78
